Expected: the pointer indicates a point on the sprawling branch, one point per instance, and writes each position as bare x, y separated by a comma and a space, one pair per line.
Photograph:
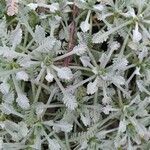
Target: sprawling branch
72, 35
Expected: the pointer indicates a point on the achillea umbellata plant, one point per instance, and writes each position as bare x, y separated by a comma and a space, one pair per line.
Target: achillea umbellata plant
75, 75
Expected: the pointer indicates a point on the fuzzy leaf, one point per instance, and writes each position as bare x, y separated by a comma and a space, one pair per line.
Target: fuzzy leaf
53, 144
39, 34
62, 126
46, 45
70, 101
16, 36
12, 7
23, 101
99, 37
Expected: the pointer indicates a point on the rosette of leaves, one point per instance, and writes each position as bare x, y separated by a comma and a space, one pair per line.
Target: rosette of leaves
74, 74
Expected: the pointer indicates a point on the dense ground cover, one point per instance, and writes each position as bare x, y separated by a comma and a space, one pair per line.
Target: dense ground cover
75, 75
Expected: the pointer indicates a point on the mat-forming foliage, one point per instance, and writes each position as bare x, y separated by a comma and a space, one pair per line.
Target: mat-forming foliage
75, 75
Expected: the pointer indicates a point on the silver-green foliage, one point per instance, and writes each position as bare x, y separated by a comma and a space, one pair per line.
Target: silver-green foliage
100, 100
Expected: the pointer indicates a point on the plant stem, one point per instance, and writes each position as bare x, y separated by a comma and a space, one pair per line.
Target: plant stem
80, 68
67, 141
82, 82
8, 72
124, 43
72, 34
58, 83
39, 88
106, 34
145, 30
63, 56
18, 90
